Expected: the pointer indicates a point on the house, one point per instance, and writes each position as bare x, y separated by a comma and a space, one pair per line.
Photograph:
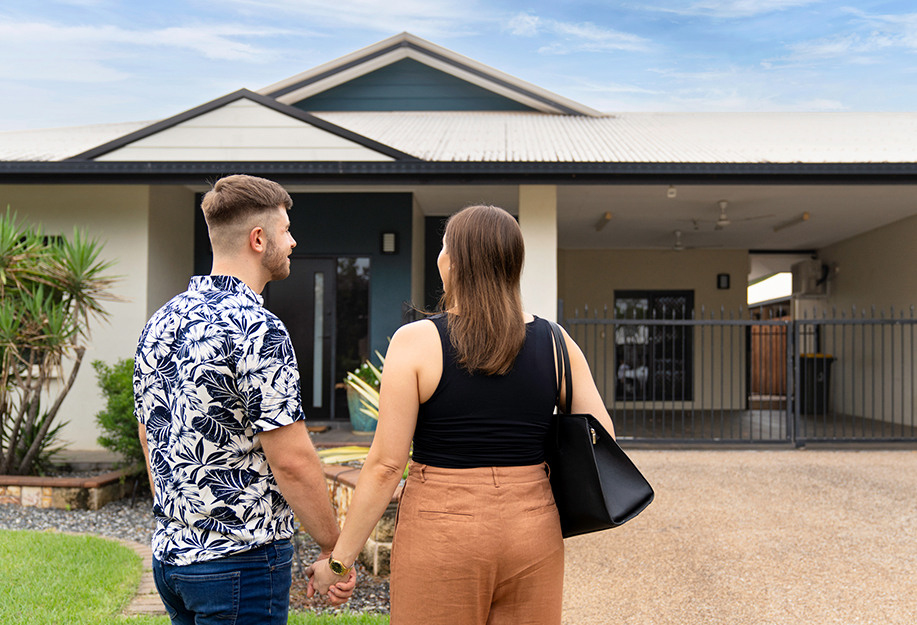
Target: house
625, 211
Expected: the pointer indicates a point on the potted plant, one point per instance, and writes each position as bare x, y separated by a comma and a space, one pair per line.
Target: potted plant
363, 395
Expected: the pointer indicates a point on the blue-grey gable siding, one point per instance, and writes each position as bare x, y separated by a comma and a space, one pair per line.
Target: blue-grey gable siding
408, 85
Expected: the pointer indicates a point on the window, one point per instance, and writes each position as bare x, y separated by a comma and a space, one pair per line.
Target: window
352, 315
654, 362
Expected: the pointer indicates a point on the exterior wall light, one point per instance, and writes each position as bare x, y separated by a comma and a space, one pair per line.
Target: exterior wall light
389, 243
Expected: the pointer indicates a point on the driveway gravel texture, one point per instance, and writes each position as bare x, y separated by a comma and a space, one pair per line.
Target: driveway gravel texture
749, 537
756, 537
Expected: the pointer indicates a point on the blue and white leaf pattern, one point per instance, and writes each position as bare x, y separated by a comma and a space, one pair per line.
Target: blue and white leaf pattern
213, 368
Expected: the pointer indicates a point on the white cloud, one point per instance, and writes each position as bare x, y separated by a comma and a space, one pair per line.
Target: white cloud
734, 8
438, 19
524, 25
45, 51
554, 48
575, 37
869, 37
590, 87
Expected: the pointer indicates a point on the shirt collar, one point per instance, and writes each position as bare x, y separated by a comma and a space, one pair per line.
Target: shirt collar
230, 284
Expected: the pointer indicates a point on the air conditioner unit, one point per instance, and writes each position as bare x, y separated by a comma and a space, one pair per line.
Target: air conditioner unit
810, 278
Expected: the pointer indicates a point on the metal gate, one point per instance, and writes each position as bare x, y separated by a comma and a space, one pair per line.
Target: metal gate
672, 377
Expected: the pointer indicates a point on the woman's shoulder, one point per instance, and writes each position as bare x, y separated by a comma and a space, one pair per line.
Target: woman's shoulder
414, 342
417, 330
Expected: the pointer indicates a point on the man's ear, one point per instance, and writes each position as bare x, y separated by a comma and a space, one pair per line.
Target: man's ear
257, 239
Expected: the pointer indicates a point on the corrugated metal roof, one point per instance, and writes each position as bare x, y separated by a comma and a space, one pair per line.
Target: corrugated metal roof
643, 137
540, 137
57, 144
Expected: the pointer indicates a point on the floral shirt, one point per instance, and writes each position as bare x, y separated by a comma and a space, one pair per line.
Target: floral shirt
212, 370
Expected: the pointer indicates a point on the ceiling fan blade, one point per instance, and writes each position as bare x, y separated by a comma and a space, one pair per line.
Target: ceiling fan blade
756, 217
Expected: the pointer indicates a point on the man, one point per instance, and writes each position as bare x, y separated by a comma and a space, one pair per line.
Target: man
216, 393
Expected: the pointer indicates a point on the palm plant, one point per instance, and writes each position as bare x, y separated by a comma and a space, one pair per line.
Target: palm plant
50, 288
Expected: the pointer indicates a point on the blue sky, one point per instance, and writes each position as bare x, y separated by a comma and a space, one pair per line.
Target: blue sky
74, 62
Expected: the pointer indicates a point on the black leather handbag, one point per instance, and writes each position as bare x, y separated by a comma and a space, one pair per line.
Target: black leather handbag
595, 484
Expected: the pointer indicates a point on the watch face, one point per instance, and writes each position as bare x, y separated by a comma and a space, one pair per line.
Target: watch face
337, 567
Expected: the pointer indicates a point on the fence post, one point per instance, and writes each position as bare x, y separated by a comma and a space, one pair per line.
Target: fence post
792, 368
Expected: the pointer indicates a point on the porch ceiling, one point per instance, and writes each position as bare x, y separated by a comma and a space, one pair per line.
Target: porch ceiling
644, 217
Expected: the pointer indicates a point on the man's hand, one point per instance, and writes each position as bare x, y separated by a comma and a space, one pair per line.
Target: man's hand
323, 581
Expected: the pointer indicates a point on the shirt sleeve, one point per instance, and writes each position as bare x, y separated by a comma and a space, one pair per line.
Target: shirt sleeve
268, 378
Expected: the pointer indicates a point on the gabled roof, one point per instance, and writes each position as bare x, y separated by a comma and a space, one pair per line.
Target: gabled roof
301, 136
407, 46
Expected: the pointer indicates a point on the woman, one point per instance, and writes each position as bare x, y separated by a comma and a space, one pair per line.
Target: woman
478, 536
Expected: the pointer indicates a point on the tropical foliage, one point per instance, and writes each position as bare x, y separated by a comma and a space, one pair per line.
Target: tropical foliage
50, 289
366, 381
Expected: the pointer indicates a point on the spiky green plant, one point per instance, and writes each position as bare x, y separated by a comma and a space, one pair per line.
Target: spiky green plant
366, 381
50, 289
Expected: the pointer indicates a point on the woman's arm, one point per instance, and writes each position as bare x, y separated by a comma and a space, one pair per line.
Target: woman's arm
586, 397
400, 396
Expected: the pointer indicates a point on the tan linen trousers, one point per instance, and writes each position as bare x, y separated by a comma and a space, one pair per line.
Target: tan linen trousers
477, 547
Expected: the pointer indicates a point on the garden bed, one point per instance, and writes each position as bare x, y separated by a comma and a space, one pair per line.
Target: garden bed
66, 493
377, 553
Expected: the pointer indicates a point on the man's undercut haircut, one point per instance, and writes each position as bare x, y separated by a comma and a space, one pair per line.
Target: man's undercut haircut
235, 199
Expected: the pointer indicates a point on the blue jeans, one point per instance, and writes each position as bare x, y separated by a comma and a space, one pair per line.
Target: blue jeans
249, 587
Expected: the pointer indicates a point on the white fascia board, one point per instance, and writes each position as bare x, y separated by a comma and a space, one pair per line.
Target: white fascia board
398, 54
331, 65
502, 76
343, 76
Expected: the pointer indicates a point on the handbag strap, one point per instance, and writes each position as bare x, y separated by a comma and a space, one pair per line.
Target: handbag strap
563, 364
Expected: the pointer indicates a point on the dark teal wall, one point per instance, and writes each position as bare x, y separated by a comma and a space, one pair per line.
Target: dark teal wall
408, 85
350, 224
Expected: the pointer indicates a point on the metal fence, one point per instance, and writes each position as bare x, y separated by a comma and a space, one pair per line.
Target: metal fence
671, 376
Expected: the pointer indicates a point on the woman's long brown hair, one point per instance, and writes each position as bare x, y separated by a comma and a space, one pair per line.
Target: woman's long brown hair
486, 251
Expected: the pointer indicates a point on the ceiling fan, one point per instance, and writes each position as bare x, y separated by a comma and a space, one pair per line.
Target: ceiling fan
723, 220
679, 245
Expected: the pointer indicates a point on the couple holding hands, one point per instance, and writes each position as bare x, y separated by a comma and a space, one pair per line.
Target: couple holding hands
473, 388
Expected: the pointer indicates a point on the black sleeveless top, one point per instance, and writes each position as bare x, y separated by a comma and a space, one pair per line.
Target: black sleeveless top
482, 421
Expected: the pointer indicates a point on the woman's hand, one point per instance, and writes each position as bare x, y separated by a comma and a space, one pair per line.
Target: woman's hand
323, 581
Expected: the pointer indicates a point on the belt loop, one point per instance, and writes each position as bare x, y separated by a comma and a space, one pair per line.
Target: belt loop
547, 469
496, 482
423, 478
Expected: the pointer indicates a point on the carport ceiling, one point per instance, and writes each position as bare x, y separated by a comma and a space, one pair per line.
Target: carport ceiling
644, 217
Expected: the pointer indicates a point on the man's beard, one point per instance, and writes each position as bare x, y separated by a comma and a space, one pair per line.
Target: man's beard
275, 261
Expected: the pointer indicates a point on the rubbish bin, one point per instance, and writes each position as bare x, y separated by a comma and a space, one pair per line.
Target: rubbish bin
814, 383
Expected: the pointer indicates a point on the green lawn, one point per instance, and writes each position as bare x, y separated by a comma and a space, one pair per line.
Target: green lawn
48, 578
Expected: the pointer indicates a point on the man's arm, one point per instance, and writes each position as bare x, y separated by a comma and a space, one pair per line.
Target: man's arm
299, 475
298, 472
141, 429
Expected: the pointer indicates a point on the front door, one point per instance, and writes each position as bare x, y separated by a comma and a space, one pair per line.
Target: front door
305, 302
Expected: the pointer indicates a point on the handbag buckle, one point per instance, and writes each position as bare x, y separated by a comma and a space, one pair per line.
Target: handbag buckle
594, 440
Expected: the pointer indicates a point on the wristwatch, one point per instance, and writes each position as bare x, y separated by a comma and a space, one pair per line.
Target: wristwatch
337, 567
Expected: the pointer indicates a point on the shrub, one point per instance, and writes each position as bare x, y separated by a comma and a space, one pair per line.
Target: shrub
117, 422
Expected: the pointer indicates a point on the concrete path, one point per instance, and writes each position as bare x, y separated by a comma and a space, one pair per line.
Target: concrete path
147, 600
757, 537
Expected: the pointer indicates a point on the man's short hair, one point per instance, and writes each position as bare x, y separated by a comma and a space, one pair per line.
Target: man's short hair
234, 199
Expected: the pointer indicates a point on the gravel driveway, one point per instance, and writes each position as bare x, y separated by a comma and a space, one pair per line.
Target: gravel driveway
757, 537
